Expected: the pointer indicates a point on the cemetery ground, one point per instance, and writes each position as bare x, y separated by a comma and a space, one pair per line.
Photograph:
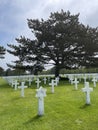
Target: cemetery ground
65, 109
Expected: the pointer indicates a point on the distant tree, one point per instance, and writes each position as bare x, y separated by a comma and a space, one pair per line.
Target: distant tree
1, 71
12, 72
8, 72
17, 69
2, 52
61, 39
28, 56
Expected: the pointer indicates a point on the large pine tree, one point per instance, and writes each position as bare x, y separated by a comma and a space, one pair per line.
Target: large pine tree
60, 39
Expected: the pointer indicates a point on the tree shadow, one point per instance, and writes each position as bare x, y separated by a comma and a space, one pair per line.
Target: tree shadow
75, 90
85, 106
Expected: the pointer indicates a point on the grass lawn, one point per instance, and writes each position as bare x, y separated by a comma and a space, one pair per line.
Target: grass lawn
64, 110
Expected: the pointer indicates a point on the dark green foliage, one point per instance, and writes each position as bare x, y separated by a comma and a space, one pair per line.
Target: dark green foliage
64, 78
14, 72
26, 52
1, 71
65, 41
60, 39
2, 51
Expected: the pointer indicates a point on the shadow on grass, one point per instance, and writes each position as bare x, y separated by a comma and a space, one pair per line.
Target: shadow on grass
75, 90
50, 93
16, 98
34, 119
85, 106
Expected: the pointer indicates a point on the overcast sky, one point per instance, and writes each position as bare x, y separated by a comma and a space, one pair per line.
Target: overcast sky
14, 15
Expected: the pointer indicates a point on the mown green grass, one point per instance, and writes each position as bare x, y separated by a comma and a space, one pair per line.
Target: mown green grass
64, 110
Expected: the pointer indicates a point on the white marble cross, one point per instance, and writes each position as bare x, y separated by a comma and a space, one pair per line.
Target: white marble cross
30, 81
71, 80
76, 82
52, 85
9, 81
87, 90
57, 80
48, 79
22, 88
45, 79
84, 79
94, 81
12, 82
41, 93
16, 83
38, 82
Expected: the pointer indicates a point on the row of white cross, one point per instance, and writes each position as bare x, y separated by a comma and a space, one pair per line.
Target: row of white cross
75, 81
41, 92
79, 76
15, 84
53, 83
86, 89
72, 77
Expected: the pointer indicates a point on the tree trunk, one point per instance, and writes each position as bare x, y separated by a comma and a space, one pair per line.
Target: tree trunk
57, 70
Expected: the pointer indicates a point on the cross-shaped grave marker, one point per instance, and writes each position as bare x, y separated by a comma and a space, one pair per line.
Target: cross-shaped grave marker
52, 85
94, 81
45, 79
41, 93
30, 81
87, 90
85, 79
57, 80
12, 82
76, 82
71, 80
22, 88
16, 84
38, 82
48, 79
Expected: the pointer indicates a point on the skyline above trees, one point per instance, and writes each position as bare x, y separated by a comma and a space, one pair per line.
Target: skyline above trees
61, 39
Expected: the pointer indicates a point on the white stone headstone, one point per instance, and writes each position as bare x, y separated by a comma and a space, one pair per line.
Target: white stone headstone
16, 84
12, 82
41, 93
85, 79
22, 88
56, 81
30, 81
87, 90
38, 82
48, 79
71, 79
45, 79
94, 81
76, 83
53, 83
